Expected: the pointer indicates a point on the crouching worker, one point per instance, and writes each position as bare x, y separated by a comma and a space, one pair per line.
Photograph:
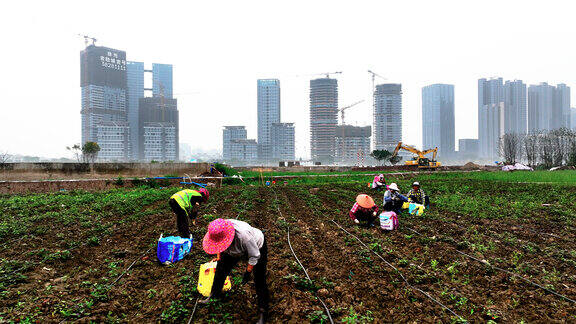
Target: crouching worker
185, 205
232, 240
379, 183
417, 195
364, 210
393, 199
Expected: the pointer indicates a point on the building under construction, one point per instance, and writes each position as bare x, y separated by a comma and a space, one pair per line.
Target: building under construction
352, 143
104, 113
158, 125
323, 118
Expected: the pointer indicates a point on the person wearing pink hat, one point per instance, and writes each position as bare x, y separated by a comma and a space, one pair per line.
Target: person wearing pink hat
185, 205
364, 210
379, 183
233, 240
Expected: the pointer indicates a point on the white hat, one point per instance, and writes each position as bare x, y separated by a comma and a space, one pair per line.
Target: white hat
393, 186
416, 183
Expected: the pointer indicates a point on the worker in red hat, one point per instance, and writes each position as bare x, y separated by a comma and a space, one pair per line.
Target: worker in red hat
364, 210
233, 240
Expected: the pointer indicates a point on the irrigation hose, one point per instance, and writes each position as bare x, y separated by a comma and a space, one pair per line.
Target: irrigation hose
400, 274
129, 267
300, 263
193, 310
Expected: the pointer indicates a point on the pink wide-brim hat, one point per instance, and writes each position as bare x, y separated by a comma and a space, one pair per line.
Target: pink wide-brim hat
219, 236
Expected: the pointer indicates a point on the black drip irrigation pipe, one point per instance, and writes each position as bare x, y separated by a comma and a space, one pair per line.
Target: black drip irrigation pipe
401, 275
193, 310
129, 267
508, 272
300, 263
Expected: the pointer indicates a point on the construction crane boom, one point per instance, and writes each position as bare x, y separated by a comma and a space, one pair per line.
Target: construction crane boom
347, 107
374, 75
87, 38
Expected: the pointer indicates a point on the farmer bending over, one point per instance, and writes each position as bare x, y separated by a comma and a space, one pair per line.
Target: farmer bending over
233, 240
364, 210
417, 195
185, 205
379, 183
393, 199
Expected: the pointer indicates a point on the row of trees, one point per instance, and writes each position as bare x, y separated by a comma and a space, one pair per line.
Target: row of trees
547, 149
87, 153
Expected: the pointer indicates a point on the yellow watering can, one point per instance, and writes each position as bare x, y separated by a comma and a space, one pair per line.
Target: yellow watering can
206, 279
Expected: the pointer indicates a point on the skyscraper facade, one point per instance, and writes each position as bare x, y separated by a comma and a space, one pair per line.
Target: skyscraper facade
158, 123
438, 126
229, 134
562, 103
323, 118
135, 86
387, 130
268, 113
490, 116
515, 107
573, 118
104, 108
352, 143
546, 107
283, 141
162, 80
244, 151
114, 114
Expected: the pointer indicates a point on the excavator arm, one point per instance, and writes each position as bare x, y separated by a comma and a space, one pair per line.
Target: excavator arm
407, 148
434, 151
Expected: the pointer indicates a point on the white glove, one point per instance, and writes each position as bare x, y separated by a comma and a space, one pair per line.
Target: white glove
356, 221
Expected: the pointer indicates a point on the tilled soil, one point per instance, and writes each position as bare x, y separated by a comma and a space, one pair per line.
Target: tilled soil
357, 286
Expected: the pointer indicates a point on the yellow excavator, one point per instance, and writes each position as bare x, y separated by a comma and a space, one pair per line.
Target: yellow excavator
419, 159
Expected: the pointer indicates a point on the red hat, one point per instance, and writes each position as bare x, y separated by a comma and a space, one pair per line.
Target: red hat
219, 236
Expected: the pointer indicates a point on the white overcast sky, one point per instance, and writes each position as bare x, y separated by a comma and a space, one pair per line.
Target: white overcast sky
220, 48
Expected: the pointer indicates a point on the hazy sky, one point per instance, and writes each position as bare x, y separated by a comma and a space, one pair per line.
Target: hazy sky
220, 48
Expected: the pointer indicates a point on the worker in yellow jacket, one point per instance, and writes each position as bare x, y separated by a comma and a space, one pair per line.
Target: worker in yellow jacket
185, 204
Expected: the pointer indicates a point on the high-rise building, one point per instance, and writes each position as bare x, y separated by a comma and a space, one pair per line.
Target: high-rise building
468, 146
112, 93
244, 151
352, 143
548, 107
387, 130
104, 111
490, 116
162, 80
323, 118
158, 124
562, 104
573, 118
491, 128
282, 141
515, 108
135, 86
438, 129
268, 113
229, 134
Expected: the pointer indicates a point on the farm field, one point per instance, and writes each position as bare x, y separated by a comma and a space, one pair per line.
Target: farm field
493, 247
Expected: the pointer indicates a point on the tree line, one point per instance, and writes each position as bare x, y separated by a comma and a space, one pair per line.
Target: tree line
545, 148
